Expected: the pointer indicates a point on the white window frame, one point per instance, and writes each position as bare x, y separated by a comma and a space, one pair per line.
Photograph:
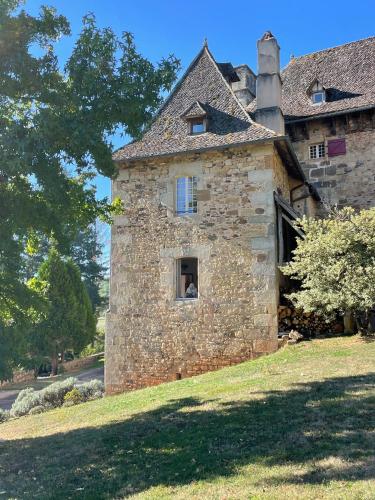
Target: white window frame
317, 103
317, 151
187, 205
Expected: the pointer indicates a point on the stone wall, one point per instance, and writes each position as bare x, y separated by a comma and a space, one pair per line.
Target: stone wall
150, 336
347, 179
18, 377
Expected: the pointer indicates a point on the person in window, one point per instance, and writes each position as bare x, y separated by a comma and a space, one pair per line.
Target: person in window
191, 292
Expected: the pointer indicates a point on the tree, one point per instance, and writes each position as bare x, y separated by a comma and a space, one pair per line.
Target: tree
87, 254
335, 264
55, 136
68, 320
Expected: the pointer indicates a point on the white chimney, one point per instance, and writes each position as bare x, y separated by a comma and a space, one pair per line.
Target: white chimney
268, 88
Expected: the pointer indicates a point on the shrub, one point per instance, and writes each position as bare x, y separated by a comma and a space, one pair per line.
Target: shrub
335, 263
37, 409
48, 398
4, 415
73, 397
26, 400
53, 395
91, 390
65, 392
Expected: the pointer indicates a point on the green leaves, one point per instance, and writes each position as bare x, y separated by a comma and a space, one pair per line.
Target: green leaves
67, 321
336, 263
55, 127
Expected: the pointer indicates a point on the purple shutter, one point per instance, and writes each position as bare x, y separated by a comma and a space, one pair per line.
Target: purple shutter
336, 147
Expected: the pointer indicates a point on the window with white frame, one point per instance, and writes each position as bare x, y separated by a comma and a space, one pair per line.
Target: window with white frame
186, 195
318, 97
317, 151
187, 278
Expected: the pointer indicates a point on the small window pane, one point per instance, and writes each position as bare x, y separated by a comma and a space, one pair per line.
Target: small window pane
187, 278
197, 127
318, 97
186, 195
317, 151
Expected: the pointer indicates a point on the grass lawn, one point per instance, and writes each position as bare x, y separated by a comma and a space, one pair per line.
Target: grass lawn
296, 424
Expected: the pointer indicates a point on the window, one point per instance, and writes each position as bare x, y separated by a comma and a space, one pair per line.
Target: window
317, 151
186, 195
198, 126
187, 278
318, 97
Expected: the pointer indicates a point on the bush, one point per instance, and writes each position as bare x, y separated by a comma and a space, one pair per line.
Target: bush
48, 398
91, 390
73, 397
335, 264
26, 400
54, 394
31, 402
37, 409
4, 415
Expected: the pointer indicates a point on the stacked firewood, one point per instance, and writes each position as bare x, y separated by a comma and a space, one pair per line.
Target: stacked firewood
306, 323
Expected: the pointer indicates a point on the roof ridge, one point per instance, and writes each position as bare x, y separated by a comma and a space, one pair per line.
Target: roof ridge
168, 98
226, 83
249, 119
329, 48
178, 83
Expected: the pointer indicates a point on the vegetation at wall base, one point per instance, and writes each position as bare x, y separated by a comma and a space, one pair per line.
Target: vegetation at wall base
295, 424
335, 264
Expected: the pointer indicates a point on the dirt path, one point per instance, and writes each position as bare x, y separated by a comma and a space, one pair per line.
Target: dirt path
8, 396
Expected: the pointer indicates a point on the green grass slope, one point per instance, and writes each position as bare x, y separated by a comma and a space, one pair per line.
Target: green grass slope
296, 424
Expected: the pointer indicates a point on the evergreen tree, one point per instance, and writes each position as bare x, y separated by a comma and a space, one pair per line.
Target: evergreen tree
87, 254
67, 321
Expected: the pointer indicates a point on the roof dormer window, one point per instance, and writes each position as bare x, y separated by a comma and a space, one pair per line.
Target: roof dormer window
196, 117
197, 126
318, 97
316, 91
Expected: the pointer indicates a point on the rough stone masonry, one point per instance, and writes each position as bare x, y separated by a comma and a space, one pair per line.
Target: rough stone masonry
225, 127
151, 336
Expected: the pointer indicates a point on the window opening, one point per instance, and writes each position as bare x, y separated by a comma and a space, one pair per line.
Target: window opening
186, 195
187, 278
317, 151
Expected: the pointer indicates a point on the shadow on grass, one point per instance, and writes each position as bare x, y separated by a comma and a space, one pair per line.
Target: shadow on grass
188, 440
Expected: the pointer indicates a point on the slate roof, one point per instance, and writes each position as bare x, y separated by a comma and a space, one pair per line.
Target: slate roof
347, 73
228, 122
195, 110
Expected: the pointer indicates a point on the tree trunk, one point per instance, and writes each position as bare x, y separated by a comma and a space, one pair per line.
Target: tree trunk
362, 321
54, 364
349, 322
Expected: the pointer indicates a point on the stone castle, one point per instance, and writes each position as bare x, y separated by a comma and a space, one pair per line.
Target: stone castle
211, 192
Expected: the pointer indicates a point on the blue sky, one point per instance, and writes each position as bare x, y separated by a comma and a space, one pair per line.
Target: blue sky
232, 28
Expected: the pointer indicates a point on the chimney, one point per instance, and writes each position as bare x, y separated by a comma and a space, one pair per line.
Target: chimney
268, 92
244, 87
